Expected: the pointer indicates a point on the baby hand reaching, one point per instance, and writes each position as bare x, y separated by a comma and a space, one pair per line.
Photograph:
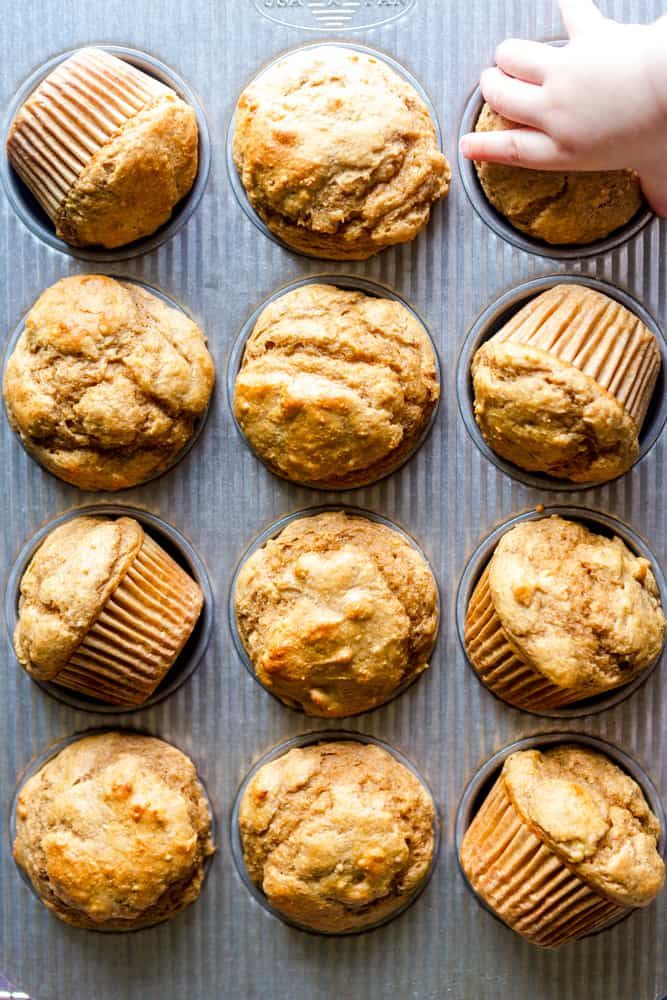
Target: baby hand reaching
597, 103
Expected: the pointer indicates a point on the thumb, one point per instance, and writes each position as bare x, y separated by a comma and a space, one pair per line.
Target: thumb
579, 16
655, 192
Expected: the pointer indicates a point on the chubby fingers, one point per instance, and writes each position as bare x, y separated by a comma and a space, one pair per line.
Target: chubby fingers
519, 147
514, 99
655, 192
528, 61
579, 16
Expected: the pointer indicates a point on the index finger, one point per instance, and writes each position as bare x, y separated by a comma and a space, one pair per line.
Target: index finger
579, 16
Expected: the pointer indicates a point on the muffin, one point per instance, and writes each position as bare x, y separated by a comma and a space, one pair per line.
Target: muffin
563, 843
557, 207
114, 831
336, 387
337, 153
106, 383
105, 149
338, 836
337, 613
561, 614
564, 386
104, 610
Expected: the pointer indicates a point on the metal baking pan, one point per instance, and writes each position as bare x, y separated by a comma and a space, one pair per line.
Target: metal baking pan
449, 496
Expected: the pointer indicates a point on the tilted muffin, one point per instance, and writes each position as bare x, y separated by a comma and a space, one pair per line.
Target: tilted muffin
554, 206
564, 386
336, 387
104, 610
563, 843
338, 836
336, 613
114, 831
107, 150
561, 614
338, 153
106, 383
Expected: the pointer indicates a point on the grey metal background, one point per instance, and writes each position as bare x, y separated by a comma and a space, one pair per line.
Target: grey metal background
448, 496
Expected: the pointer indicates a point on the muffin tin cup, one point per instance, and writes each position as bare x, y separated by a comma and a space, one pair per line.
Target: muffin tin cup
33, 215
179, 548
235, 180
310, 739
47, 754
598, 522
345, 281
483, 780
273, 531
502, 227
199, 423
494, 317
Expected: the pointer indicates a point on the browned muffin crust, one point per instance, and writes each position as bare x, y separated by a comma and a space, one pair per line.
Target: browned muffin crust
114, 831
337, 153
336, 386
106, 382
337, 613
553, 206
338, 836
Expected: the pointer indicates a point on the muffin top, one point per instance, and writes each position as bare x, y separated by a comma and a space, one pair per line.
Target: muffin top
336, 613
578, 606
337, 153
336, 387
554, 206
107, 149
593, 815
564, 385
113, 832
69, 580
106, 382
337, 836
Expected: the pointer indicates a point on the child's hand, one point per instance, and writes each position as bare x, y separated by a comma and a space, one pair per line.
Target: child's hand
597, 103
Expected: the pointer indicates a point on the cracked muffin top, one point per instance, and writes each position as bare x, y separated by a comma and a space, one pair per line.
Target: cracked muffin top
338, 153
113, 832
593, 816
106, 382
565, 384
338, 836
336, 387
336, 613
553, 206
579, 607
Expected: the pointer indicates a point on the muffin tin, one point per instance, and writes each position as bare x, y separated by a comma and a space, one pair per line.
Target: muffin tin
31, 212
448, 495
305, 740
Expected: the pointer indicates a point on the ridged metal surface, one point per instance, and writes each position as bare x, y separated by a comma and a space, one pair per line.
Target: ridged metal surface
448, 496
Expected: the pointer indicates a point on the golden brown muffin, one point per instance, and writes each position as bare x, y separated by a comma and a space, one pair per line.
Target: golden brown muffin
563, 843
564, 386
553, 206
337, 153
104, 610
337, 836
106, 149
336, 613
336, 387
113, 832
561, 614
107, 382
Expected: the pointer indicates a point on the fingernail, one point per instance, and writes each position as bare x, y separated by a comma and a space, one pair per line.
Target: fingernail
464, 145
